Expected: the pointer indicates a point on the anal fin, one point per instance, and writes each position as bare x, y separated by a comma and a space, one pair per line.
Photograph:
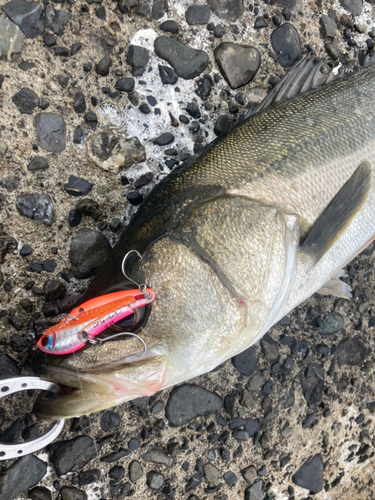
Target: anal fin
337, 288
339, 213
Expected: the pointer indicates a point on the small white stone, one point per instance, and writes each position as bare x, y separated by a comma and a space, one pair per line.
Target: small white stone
3, 148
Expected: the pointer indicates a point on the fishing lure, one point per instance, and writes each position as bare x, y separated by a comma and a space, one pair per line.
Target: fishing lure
87, 321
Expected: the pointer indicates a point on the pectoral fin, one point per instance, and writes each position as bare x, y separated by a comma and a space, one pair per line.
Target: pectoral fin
339, 213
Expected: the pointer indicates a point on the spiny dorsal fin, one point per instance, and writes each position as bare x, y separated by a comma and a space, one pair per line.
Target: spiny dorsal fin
305, 75
339, 213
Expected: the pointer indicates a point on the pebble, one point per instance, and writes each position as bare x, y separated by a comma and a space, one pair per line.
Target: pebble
37, 163
255, 383
49, 40
116, 473
115, 456
155, 480
193, 482
76, 47
74, 217
51, 132
22, 475
353, 6
169, 26
237, 63
211, 473
89, 207
245, 362
286, 43
79, 136
138, 58
47, 265
328, 26
223, 124
77, 186
230, 10
125, 84
10, 41
8, 367
71, 493
135, 471
332, 49
103, 66
3, 147
188, 401
25, 250
167, 75
73, 454
27, 15
158, 456
312, 381
197, 14
54, 290
79, 104
91, 120
88, 251
269, 348
40, 493
36, 206
255, 491
204, 88
351, 352
164, 139
115, 225
249, 474
134, 198
230, 478
89, 477
334, 323
260, 23
26, 100
310, 474
56, 20
186, 61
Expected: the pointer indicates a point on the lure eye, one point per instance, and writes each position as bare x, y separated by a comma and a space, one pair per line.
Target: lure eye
47, 341
44, 341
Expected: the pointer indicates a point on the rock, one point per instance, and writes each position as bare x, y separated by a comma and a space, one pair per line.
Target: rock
255, 383
109, 420
328, 26
79, 136
353, 6
7, 244
155, 480
197, 14
134, 198
237, 63
310, 474
188, 401
115, 456
76, 47
62, 81
27, 15
103, 66
8, 368
135, 471
26, 101
73, 454
255, 491
91, 120
77, 186
351, 352
169, 26
49, 40
138, 58
89, 207
88, 251
37, 163
260, 23
111, 151
54, 290
22, 475
309, 420
211, 473
10, 41
157, 456
125, 84
9, 183
51, 132
312, 381
56, 20
152, 9
334, 323
187, 62
227, 9
167, 75
79, 104
71, 493
40, 493
164, 139
117, 472
285, 42
74, 217
249, 474
36, 206
230, 478
269, 348
89, 477
42, 265
3, 147
245, 362
223, 124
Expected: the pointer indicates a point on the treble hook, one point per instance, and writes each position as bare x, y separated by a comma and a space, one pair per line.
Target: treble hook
141, 287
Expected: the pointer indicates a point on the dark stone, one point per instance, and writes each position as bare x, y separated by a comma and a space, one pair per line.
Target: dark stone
91, 119
143, 180
26, 101
219, 31
12, 434
40, 493
134, 198
71, 493
197, 14
158, 456
138, 58
74, 217
22, 475
151, 9
193, 110
88, 252
144, 108
269, 348
167, 75
51, 132
56, 20
25, 250
79, 104
89, 477
237, 63
260, 23
62, 81
310, 474
77, 186
255, 491
353, 6
87, 67
187, 62
79, 136
89, 207
251, 426
204, 88
155, 480
115, 225
230, 478
103, 66
125, 84
169, 26
37, 163
351, 352
164, 139
42, 265
54, 290
117, 472
334, 323
312, 381
109, 420
227, 9
76, 47
101, 13
72, 455
188, 401
193, 482
27, 15
8, 367
245, 362
223, 124
115, 456
285, 42
36, 206
328, 26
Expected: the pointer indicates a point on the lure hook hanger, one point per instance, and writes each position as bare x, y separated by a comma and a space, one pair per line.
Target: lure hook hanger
141, 287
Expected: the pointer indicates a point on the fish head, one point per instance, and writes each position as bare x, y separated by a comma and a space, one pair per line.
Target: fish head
213, 297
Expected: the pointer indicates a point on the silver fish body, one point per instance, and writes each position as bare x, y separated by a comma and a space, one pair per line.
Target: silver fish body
223, 246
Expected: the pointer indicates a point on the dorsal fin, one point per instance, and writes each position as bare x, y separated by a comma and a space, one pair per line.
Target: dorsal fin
305, 75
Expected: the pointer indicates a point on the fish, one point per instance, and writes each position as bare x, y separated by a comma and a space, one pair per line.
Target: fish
234, 240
